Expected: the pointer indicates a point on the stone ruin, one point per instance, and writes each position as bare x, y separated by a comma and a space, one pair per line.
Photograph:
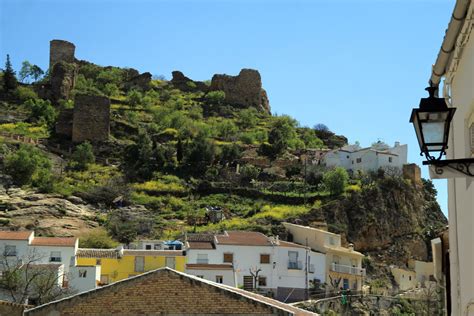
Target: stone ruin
413, 173
60, 50
91, 118
244, 90
140, 81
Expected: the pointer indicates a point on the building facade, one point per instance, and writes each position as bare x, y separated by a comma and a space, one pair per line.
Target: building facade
343, 266
455, 62
282, 269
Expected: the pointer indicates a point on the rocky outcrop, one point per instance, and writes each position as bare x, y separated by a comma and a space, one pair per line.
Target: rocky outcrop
183, 83
63, 78
244, 90
45, 213
140, 82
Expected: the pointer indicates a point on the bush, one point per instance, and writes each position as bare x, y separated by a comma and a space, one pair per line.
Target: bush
97, 239
83, 156
134, 98
25, 93
215, 97
336, 180
42, 111
29, 165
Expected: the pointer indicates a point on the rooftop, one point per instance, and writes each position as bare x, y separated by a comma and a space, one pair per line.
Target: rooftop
97, 253
54, 241
133, 252
200, 245
244, 238
15, 235
203, 266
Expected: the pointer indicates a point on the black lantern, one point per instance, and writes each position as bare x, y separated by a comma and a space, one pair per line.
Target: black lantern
431, 121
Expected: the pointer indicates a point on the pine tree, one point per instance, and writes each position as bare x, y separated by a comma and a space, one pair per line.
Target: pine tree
9, 80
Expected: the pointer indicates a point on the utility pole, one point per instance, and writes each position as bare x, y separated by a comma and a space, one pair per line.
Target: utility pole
306, 272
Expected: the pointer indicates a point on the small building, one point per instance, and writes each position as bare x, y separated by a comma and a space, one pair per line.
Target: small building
118, 264
405, 278
166, 292
220, 273
343, 266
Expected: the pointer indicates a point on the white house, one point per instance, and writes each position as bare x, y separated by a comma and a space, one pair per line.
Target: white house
455, 62
354, 158
283, 269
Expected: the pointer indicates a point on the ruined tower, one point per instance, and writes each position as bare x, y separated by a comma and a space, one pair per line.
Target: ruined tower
60, 50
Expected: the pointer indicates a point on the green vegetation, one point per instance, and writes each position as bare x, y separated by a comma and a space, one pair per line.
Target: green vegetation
97, 239
83, 156
9, 80
336, 180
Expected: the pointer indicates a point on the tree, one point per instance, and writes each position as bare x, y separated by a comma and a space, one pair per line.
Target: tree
336, 180
139, 162
28, 165
282, 135
248, 118
200, 155
215, 97
123, 228
25, 279
249, 173
30, 71
227, 130
9, 80
230, 154
83, 156
41, 111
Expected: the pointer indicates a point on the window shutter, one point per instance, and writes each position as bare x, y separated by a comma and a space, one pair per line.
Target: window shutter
471, 133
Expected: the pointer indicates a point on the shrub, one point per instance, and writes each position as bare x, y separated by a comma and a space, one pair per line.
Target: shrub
28, 165
25, 93
97, 239
83, 156
336, 180
248, 118
41, 111
134, 98
215, 97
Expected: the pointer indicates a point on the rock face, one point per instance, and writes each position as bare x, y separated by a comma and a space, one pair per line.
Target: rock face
141, 82
91, 118
46, 214
244, 90
60, 50
183, 83
63, 78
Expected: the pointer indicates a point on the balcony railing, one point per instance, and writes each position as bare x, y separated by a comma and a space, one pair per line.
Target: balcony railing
347, 269
202, 261
295, 265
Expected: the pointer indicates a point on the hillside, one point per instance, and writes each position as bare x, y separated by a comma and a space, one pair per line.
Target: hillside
179, 154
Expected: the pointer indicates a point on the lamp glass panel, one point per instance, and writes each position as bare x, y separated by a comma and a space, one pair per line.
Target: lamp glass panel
433, 132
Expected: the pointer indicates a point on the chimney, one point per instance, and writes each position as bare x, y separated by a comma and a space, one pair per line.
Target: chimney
397, 144
351, 247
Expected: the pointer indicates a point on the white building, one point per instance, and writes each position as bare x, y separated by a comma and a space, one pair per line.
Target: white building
281, 268
23, 247
455, 62
354, 158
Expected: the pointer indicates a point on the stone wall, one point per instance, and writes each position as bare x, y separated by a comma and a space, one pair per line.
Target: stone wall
413, 173
183, 83
11, 309
64, 122
60, 50
243, 90
91, 120
62, 81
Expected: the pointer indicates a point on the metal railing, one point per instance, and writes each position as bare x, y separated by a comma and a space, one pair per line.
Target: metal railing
295, 265
347, 269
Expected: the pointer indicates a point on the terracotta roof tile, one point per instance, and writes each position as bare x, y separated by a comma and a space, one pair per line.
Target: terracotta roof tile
200, 245
97, 253
244, 238
54, 241
132, 252
15, 235
291, 244
202, 266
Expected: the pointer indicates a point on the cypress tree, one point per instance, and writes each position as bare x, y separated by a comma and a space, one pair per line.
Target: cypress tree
9, 80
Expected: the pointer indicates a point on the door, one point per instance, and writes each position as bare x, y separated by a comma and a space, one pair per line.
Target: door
139, 264
171, 262
248, 282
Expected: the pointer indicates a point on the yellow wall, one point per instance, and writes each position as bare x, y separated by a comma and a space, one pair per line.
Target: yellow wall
122, 268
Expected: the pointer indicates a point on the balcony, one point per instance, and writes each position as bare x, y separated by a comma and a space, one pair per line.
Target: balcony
202, 261
295, 265
347, 269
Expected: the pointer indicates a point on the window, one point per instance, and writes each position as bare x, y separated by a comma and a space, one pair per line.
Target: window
147, 247
82, 273
264, 258
10, 251
139, 264
409, 278
293, 262
354, 285
219, 279
171, 262
359, 160
55, 256
345, 284
262, 281
98, 262
390, 159
229, 257
202, 258
336, 259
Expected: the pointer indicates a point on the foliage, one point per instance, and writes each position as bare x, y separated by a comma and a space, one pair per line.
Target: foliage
282, 135
336, 180
25, 129
200, 154
248, 173
29, 165
98, 239
134, 98
25, 93
215, 97
122, 228
247, 118
230, 153
83, 156
29, 71
9, 80
42, 111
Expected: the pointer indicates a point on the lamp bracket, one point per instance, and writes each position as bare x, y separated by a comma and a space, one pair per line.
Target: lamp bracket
465, 166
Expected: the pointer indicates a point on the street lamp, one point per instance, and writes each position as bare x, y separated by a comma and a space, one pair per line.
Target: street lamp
432, 122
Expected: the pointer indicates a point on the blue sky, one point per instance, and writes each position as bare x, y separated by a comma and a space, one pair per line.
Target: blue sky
358, 66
